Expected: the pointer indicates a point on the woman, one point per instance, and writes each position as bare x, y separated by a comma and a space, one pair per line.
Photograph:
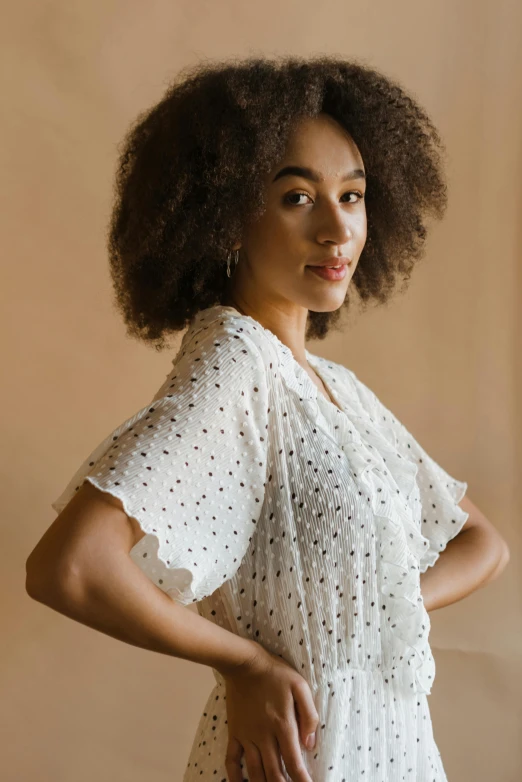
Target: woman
267, 484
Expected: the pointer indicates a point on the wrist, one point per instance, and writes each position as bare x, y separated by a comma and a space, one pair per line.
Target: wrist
253, 656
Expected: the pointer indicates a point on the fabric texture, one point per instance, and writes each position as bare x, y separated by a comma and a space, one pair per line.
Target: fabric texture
295, 522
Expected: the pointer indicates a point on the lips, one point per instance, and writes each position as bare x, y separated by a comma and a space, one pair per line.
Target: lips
329, 273
333, 260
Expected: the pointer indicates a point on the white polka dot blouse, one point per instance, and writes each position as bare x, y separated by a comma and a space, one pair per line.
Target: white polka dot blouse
295, 522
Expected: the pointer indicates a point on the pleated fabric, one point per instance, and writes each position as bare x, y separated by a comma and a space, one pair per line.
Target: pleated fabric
295, 522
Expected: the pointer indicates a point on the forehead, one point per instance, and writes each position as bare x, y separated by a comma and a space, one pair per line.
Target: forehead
320, 143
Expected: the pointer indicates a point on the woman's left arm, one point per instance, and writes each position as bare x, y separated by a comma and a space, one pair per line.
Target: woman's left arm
472, 559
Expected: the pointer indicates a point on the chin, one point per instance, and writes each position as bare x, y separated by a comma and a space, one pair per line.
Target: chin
323, 307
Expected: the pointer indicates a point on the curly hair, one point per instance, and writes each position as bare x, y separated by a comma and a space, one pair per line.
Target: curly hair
190, 171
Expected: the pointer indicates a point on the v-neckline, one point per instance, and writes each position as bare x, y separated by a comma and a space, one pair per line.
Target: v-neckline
332, 400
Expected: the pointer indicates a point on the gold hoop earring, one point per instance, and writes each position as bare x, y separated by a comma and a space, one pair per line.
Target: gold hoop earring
236, 259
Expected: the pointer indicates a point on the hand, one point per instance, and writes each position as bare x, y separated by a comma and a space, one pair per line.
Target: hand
269, 708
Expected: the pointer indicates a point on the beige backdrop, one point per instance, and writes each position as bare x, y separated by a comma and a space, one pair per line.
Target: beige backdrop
77, 705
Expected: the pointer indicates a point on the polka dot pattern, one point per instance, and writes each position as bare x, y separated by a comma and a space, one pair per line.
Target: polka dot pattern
190, 466
298, 522
435, 494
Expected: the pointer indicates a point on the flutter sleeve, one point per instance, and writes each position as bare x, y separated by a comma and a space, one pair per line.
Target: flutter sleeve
441, 518
190, 466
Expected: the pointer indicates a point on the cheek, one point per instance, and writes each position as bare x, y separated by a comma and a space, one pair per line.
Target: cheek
361, 228
268, 244
273, 222
282, 222
277, 235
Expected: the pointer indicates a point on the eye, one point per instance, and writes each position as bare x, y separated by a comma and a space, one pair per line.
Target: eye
287, 198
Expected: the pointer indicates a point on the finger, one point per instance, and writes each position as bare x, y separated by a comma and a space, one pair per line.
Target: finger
233, 760
272, 761
288, 738
307, 716
254, 762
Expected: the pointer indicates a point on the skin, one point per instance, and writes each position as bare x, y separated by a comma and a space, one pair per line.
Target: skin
303, 222
81, 566
472, 559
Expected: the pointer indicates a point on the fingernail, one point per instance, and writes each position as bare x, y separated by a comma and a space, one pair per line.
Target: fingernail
310, 741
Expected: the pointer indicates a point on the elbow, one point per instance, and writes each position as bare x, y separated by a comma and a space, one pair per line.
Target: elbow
505, 556
33, 576
47, 584
37, 588
502, 562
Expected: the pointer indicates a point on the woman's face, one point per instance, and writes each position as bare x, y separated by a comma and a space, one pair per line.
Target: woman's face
310, 215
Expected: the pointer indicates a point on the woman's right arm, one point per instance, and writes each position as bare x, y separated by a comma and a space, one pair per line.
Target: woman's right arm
82, 569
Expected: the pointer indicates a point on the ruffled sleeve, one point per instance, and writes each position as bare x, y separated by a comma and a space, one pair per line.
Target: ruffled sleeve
190, 466
438, 493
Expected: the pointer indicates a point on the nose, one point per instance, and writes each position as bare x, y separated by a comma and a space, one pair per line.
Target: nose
334, 226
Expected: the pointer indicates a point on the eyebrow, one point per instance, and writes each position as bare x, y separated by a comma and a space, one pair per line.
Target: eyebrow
309, 173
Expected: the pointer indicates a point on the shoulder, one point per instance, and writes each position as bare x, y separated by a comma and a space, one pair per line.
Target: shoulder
216, 339
227, 335
218, 361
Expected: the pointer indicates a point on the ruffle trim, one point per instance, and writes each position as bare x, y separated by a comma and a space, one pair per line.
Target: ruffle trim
390, 480
391, 483
440, 536
175, 579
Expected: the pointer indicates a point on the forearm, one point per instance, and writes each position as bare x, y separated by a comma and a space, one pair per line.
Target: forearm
118, 599
469, 561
